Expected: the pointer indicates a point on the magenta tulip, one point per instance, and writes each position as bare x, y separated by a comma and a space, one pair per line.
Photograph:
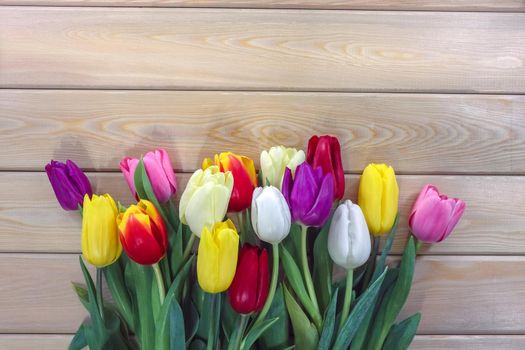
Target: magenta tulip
434, 216
159, 170
309, 194
69, 183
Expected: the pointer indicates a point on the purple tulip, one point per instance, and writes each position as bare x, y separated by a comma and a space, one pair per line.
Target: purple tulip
159, 170
69, 183
309, 194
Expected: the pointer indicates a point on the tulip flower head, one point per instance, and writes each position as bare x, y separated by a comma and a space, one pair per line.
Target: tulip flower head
217, 256
325, 152
250, 286
160, 173
244, 178
348, 239
276, 160
271, 218
100, 243
309, 194
69, 183
378, 197
143, 233
434, 215
205, 199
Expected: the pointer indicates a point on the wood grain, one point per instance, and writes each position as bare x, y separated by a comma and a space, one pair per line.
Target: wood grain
32, 221
467, 133
448, 290
417, 5
421, 342
147, 48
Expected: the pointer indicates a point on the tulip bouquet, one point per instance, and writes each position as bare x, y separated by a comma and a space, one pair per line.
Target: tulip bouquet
269, 260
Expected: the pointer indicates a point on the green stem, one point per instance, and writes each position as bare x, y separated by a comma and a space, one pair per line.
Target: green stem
273, 285
242, 326
306, 268
419, 244
348, 298
211, 330
160, 283
100, 298
188, 248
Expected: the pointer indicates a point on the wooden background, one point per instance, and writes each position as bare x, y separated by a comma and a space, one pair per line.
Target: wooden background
434, 87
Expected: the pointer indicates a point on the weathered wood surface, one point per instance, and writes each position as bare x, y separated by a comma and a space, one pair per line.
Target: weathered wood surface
306, 50
467, 133
448, 290
32, 221
407, 5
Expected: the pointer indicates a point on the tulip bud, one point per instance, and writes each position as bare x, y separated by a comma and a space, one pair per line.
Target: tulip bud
160, 174
244, 178
249, 289
271, 218
100, 242
143, 233
325, 152
205, 199
69, 183
217, 256
309, 194
434, 216
348, 238
378, 197
276, 160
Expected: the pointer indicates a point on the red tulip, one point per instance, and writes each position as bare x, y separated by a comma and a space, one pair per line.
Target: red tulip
325, 152
249, 289
244, 178
143, 233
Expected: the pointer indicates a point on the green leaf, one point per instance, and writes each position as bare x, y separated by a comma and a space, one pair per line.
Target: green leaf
197, 344
322, 272
92, 304
328, 324
232, 333
358, 314
202, 303
162, 319
176, 250
177, 333
391, 306
276, 337
305, 332
380, 266
292, 242
137, 178
402, 334
256, 332
229, 319
115, 280
294, 277
82, 294
191, 321
142, 279
79, 340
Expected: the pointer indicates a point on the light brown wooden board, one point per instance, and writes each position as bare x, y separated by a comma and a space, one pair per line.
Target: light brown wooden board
448, 290
416, 133
418, 5
305, 50
421, 342
32, 221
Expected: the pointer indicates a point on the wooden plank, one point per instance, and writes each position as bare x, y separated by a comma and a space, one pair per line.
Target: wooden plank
140, 48
467, 133
421, 342
32, 221
448, 290
34, 341
410, 5
468, 342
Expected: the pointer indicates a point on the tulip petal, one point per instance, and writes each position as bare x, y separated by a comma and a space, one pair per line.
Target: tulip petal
241, 196
157, 176
320, 211
457, 213
304, 191
139, 241
208, 262
228, 243
430, 219
287, 186
390, 199
79, 179
243, 290
370, 197
263, 281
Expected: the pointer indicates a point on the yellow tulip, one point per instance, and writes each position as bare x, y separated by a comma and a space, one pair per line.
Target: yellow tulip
378, 197
217, 257
100, 241
205, 199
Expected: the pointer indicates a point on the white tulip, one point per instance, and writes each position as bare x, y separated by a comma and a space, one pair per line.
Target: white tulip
348, 238
271, 218
275, 160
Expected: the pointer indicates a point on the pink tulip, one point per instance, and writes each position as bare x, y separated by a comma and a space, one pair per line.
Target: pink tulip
434, 216
159, 170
